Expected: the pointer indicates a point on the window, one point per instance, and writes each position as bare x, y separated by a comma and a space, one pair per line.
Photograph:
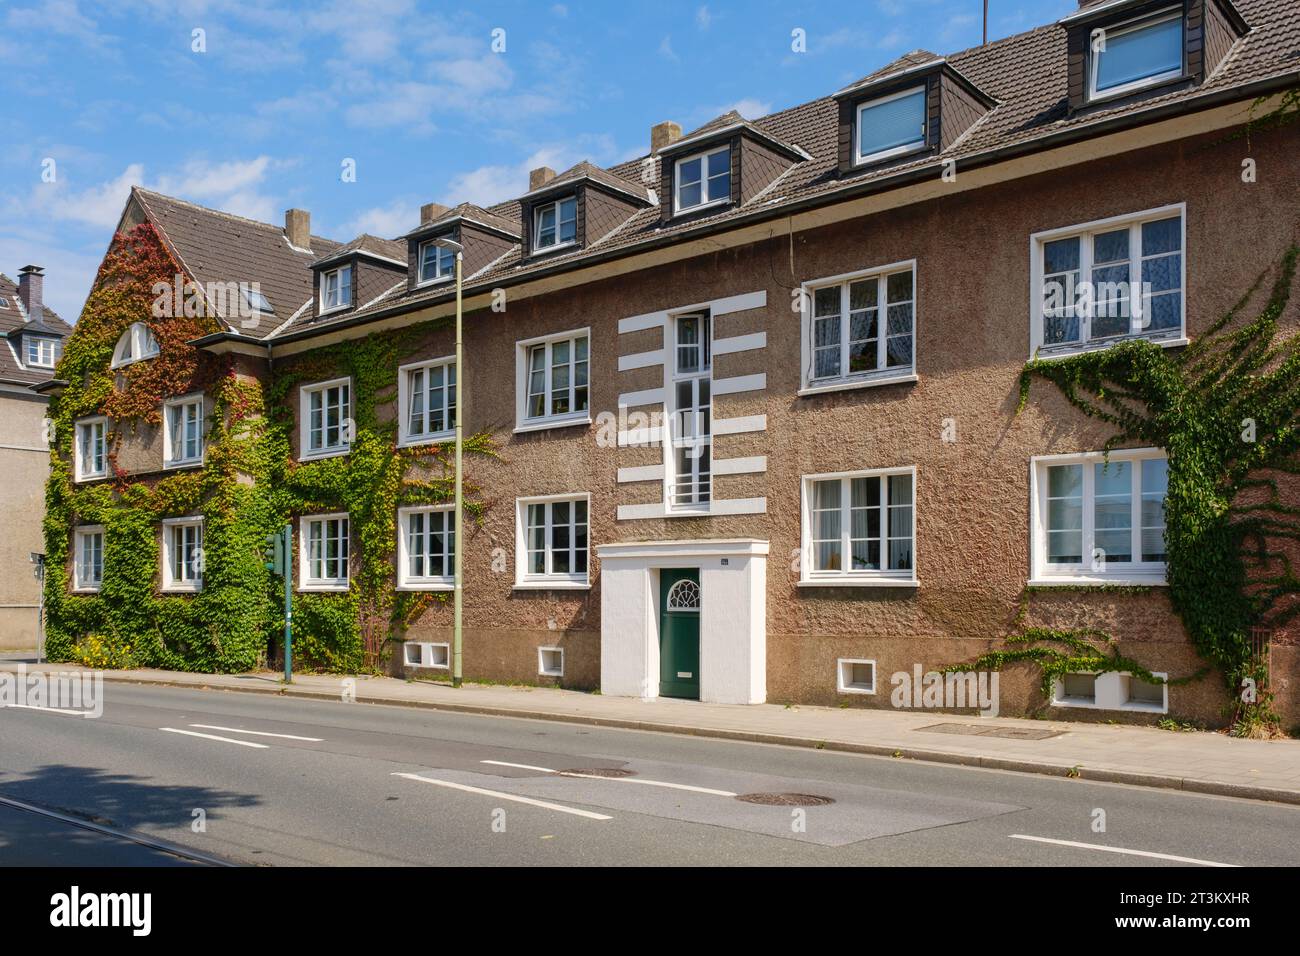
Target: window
691, 423
891, 125
703, 179
183, 432
1131, 57
855, 676
136, 344
550, 662
183, 554
326, 418
555, 224
422, 654
1100, 520
4, 303
257, 302
336, 289
861, 328
1105, 281
427, 401
323, 547
1111, 690
552, 541
436, 263
859, 528
88, 558
42, 352
553, 380
91, 451
426, 547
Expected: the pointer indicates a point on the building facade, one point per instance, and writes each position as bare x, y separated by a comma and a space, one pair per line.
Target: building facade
744, 413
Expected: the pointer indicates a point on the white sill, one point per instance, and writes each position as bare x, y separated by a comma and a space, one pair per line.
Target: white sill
337, 587
181, 589
538, 250
417, 586
333, 309
435, 439
892, 153
99, 477
1065, 351
845, 384
541, 424
855, 690
424, 284
86, 590
859, 582
679, 210
324, 453
559, 584
178, 465
1091, 704
1119, 580
1101, 96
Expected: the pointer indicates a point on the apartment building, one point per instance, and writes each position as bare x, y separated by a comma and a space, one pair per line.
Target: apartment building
752, 397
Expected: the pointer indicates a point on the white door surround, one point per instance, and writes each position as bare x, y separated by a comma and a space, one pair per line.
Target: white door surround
733, 616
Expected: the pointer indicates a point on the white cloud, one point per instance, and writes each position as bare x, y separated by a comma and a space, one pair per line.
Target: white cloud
749, 108
492, 184
666, 48
703, 18
395, 219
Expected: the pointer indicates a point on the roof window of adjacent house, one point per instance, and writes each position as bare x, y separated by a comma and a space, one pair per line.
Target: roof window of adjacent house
891, 125
136, 344
555, 223
336, 289
4, 303
1137, 54
703, 179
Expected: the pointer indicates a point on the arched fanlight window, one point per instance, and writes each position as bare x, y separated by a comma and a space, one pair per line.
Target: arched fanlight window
684, 596
136, 343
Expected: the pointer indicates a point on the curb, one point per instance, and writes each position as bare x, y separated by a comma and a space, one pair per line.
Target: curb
1080, 772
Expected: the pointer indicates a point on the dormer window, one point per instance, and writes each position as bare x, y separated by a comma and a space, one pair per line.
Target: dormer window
1136, 55
703, 179
42, 351
136, 344
436, 262
336, 289
891, 125
555, 223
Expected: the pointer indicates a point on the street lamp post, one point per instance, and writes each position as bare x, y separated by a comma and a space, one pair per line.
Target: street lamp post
459, 539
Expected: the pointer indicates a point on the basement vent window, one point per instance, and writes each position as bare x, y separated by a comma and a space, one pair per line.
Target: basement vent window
856, 676
1112, 690
1079, 689
427, 655
550, 661
1141, 695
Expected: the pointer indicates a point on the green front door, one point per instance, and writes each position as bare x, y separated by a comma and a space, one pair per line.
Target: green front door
679, 633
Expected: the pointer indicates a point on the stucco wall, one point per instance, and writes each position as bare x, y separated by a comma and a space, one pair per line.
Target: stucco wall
24, 464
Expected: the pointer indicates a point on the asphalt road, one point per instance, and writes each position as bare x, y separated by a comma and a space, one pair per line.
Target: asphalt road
183, 777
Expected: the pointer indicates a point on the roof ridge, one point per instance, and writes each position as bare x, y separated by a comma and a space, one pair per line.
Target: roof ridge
217, 212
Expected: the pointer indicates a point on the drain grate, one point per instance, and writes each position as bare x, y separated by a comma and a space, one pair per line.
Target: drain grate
980, 730
785, 799
601, 772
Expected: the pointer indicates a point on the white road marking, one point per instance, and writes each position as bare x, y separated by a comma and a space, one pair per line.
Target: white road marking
258, 733
592, 776
228, 740
505, 796
1116, 849
51, 710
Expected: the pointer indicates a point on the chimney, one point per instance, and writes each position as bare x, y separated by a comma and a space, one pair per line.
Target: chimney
540, 177
431, 211
297, 228
31, 289
661, 134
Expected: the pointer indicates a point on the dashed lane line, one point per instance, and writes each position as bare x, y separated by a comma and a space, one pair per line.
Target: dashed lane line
258, 733
515, 798
1116, 849
592, 776
228, 740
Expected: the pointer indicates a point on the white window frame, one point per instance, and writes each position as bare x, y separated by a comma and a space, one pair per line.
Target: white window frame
1111, 692
325, 307
859, 158
142, 343
79, 460
42, 342
169, 451
524, 422
305, 451
851, 578
703, 157
169, 580
305, 581
1085, 232
427, 582
255, 299
439, 275
548, 580
78, 582
556, 205
428, 659
542, 669
405, 437
701, 437
1137, 573
1132, 26
882, 375
844, 668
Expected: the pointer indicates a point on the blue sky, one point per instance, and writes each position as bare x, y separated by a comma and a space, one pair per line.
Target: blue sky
284, 92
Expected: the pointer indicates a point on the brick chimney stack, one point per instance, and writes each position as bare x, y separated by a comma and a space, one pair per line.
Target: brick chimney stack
540, 177
31, 289
661, 134
431, 211
297, 228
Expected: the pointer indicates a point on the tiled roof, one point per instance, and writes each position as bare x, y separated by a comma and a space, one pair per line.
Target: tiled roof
585, 170
467, 210
908, 61
12, 317
216, 246
385, 248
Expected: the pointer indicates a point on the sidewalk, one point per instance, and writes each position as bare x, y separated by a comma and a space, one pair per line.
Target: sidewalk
1144, 756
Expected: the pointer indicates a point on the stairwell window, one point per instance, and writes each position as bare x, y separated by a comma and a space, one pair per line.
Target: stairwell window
691, 421
323, 551
1099, 520
183, 432
91, 450
336, 289
88, 558
859, 528
551, 542
1106, 281
326, 417
703, 179
552, 376
183, 554
427, 401
891, 126
426, 548
555, 224
859, 329
1136, 55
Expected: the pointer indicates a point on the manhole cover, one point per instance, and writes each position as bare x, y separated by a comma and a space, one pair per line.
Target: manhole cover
601, 772
785, 799
981, 730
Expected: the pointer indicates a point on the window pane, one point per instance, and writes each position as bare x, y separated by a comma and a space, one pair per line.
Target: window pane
896, 123
1065, 514
900, 522
1140, 54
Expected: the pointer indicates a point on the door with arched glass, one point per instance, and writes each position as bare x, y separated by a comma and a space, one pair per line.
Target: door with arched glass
679, 633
